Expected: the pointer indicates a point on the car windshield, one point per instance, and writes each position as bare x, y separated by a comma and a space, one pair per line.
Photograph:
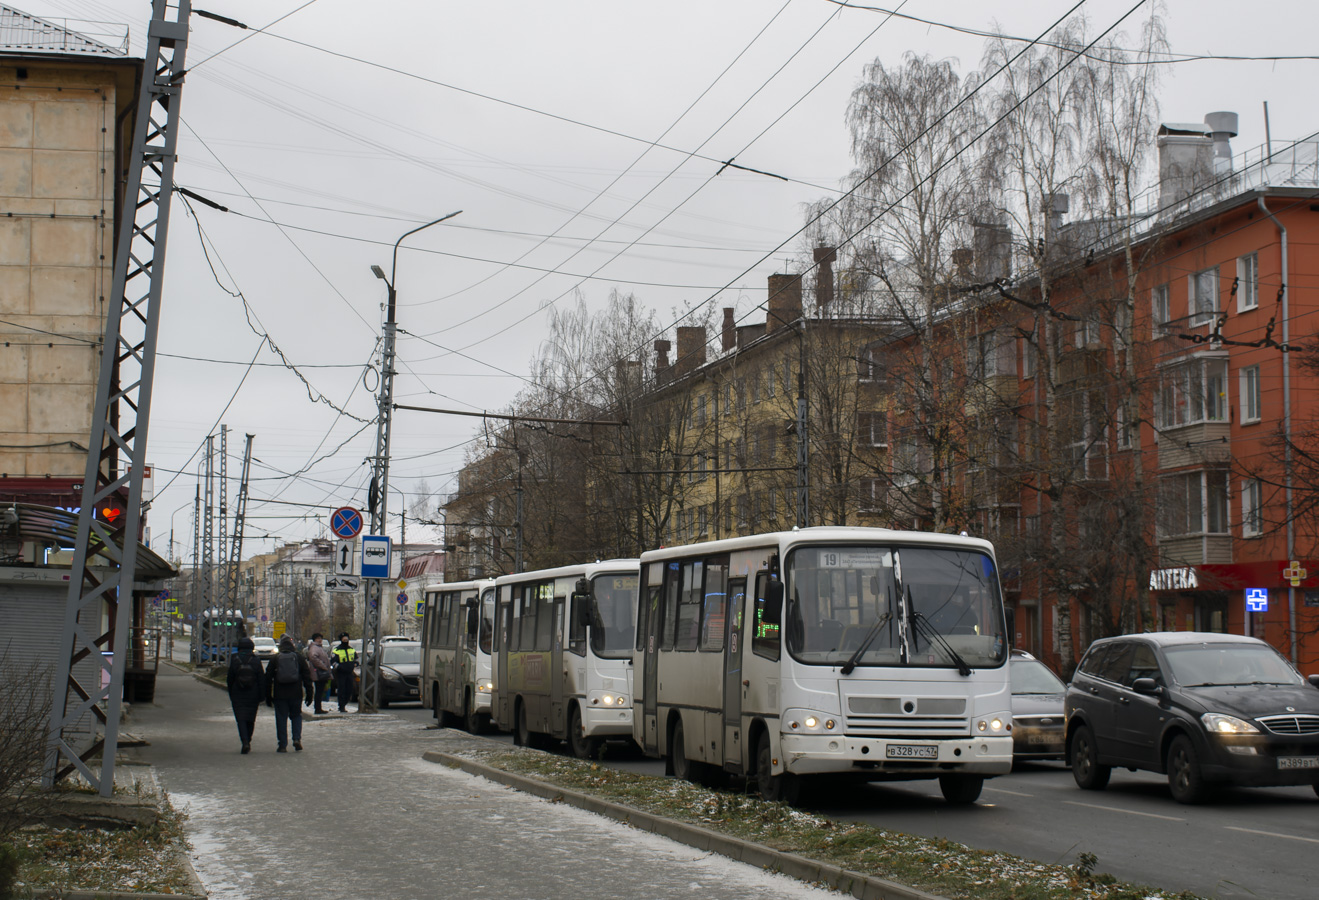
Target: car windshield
1030, 676
1204, 665
613, 630
893, 605
400, 654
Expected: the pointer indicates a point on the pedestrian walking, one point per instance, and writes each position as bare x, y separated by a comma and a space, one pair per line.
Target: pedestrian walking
247, 685
288, 680
319, 660
345, 658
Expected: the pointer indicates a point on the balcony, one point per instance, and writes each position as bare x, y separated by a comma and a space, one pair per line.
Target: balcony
1194, 550
1195, 445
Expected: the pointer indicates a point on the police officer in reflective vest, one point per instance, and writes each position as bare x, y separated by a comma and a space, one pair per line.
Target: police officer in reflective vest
345, 658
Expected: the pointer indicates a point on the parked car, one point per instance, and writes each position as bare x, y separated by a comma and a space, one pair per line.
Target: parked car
1202, 708
1039, 729
265, 648
400, 672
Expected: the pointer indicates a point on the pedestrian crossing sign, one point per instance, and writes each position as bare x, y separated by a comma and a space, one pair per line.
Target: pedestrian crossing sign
418, 607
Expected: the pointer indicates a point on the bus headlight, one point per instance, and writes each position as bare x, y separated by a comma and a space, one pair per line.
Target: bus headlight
807, 722
996, 725
485, 687
611, 700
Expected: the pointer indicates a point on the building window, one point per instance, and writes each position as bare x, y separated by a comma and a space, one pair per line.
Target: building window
1252, 509
770, 382
1250, 394
700, 411
1192, 392
869, 364
1159, 312
1087, 332
755, 388
872, 429
1030, 358
1126, 426
1247, 282
1202, 296
741, 393
1193, 503
871, 494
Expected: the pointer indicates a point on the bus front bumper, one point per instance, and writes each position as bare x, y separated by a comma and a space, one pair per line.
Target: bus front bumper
606, 721
807, 754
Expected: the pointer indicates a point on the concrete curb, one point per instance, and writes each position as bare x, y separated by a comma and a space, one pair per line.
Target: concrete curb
802, 868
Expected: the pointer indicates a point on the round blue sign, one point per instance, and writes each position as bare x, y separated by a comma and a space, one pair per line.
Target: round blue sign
346, 522
402, 598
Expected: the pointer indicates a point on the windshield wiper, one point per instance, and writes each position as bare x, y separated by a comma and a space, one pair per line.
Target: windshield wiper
933, 636
865, 644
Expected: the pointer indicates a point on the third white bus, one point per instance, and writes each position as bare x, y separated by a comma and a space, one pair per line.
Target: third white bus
563, 654
857, 652
457, 629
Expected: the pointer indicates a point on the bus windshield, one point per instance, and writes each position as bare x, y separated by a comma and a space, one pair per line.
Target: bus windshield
893, 606
613, 630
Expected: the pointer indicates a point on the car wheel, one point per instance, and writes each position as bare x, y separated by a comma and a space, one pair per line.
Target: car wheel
1185, 780
1087, 771
581, 746
961, 789
783, 788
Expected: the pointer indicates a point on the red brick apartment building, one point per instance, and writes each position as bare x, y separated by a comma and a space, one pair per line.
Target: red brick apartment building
1161, 418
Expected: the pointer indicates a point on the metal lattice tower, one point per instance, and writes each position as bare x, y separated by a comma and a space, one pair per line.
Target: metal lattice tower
235, 561
223, 534
206, 621
118, 442
195, 607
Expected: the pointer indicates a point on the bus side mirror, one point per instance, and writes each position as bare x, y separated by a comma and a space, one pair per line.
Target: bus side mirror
473, 621
581, 604
772, 613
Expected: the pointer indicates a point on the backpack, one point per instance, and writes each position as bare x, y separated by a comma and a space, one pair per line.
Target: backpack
244, 677
286, 669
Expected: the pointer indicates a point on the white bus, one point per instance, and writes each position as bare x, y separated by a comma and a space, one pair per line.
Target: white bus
457, 629
864, 652
563, 654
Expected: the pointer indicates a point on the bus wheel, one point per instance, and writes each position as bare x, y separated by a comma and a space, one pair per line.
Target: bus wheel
784, 788
683, 768
961, 789
471, 718
522, 734
581, 746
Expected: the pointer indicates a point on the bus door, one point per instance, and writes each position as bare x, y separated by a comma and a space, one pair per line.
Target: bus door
650, 622
558, 673
734, 683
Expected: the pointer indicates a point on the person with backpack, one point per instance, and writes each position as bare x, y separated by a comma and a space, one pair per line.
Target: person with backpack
288, 681
247, 685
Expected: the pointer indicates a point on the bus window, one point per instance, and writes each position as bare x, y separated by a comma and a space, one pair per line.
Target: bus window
487, 622
545, 616
576, 627
712, 621
689, 606
765, 639
471, 623
671, 573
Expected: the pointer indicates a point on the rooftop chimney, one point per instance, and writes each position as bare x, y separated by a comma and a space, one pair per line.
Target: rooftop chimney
691, 349
663, 371
784, 301
728, 337
1185, 162
992, 249
824, 276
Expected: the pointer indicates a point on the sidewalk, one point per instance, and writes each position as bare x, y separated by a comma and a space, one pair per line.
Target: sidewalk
359, 814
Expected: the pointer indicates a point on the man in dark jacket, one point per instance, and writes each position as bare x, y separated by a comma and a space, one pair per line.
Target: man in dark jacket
345, 658
288, 682
247, 687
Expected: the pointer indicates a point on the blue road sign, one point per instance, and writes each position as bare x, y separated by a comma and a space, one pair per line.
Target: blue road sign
375, 556
402, 599
346, 522
1257, 599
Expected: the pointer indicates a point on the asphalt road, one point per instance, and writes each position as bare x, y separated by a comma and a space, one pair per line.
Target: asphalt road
1244, 842
359, 814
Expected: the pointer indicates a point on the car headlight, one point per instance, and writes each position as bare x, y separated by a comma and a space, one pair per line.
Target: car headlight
806, 721
390, 675
1219, 723
485, 687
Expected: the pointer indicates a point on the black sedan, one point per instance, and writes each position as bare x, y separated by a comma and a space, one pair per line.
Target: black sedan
1202, 708
1038, 723
400, 672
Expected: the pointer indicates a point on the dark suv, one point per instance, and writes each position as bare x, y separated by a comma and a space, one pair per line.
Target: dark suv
1203, 708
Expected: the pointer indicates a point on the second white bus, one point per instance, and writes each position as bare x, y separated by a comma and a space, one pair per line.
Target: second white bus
858, 652
457, 630
563, 654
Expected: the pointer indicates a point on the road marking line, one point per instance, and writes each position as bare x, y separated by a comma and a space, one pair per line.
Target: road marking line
1005, 791
1290, 837
1128, 811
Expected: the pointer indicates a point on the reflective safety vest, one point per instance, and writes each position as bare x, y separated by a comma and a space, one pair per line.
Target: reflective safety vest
343, 654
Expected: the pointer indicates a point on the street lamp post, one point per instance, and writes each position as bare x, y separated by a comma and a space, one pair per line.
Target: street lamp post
378, 496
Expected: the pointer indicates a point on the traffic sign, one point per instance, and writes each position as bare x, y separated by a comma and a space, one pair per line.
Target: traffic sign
419, 608
346, 522
342, 583
402, 599
345, 557
375, 556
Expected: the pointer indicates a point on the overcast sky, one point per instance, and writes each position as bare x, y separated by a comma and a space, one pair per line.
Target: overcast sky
351, 123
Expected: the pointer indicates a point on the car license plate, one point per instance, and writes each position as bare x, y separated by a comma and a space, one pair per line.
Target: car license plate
1298, 762
911, 751
1044, 739
412, 690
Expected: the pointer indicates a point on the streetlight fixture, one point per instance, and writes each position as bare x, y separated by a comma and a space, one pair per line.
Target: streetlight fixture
378, 494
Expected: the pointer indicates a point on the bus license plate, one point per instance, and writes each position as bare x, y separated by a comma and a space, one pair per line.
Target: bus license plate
911, 751
1298, 762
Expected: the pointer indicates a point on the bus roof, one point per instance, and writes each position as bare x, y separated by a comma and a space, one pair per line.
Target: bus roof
460, 586
586, 570
822, 534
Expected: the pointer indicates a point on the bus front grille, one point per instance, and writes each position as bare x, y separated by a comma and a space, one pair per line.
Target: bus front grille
907, 727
